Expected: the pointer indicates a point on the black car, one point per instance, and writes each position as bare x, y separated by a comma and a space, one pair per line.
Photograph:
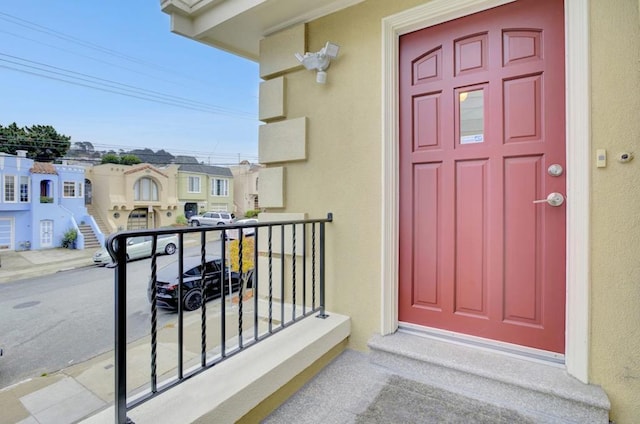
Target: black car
167, 280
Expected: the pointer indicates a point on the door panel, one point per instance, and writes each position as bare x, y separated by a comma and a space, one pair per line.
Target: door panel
46, 233
481, 120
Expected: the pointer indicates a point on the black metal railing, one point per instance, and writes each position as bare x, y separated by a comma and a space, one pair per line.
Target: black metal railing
302, 246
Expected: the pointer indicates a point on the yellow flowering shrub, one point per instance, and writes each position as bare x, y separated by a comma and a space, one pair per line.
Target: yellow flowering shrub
248, 248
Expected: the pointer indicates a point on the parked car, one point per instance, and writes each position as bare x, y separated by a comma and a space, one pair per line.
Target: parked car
140, 247
249, 231
211, 218
168, 278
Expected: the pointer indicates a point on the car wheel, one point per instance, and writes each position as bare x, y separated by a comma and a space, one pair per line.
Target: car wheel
192, 300
170, 249
195, 223
220, 223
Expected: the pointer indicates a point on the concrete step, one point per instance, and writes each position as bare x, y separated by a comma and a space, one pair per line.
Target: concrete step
542, 392
90, 239
99, 222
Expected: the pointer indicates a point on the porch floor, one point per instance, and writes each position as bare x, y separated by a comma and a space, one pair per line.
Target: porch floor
352, 389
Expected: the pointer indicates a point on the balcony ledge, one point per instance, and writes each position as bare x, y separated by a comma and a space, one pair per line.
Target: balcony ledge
231, 389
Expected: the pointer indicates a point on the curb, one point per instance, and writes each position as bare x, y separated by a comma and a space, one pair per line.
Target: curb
33, 270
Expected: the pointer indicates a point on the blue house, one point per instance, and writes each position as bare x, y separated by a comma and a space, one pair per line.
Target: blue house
40, 202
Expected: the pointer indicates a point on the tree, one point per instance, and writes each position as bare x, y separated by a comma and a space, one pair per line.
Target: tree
123, 159
83, 150
110, 158
42, 142
247, 267
129, 159
155, 158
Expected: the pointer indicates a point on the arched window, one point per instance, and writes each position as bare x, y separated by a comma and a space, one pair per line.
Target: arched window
145, 189
46, 191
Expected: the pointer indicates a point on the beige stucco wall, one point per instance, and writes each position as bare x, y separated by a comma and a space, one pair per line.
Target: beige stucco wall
245, 187
112, 191
341, 173
615, 206
343, 167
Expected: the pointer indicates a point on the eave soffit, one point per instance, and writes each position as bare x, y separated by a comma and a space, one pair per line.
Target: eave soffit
237, 26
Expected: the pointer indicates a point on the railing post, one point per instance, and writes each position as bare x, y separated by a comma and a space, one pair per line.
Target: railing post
322, 313
120, 325
154, 316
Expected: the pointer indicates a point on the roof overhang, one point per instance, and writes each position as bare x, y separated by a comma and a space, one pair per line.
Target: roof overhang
237, 26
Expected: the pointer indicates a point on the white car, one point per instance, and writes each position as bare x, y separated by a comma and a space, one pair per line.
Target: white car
211, 218
246, 232
140, 247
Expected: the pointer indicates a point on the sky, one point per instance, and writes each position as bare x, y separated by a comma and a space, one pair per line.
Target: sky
128, 81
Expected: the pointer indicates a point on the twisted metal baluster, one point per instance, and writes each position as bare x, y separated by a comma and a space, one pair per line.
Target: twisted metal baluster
154, 317
240, 292
293, 266
254, 284
270, 281
223, 312
203, 296
282, 256
313, 267
304, 269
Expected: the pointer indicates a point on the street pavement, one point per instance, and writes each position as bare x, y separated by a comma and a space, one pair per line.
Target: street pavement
58, 397
18, 265
78, 391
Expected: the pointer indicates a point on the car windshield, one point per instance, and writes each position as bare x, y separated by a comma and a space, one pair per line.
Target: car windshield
136, 240
193, 272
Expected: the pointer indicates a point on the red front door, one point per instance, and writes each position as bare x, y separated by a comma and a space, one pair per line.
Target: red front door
481, 124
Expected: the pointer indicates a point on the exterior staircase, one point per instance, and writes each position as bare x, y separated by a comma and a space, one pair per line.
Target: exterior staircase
103, 227
90, 239
540, 391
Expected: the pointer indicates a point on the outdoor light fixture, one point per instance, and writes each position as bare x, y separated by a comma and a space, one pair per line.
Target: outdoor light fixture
319, 61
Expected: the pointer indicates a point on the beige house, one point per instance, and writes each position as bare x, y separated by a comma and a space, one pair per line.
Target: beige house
132, 197
481, 151
245, 187
203, 188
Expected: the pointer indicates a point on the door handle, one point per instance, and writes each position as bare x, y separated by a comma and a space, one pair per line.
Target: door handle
553, 199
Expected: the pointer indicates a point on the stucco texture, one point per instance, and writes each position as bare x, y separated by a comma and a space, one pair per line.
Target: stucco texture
342, 174
343, 166
615, 206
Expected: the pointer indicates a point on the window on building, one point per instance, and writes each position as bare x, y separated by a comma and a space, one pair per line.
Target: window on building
69, 189
220, 187
145, 189
46, 191
9, 188
24, 189
194, 185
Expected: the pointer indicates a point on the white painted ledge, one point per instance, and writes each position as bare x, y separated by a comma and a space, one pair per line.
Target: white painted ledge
234, 387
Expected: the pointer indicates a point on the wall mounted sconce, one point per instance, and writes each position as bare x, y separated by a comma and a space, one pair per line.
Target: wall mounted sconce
319, 61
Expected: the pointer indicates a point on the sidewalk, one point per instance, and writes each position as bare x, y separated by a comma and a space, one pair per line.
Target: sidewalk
79, 391
56, 397
18, 265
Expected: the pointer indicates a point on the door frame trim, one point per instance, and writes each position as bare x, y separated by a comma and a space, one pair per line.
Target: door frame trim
578, 137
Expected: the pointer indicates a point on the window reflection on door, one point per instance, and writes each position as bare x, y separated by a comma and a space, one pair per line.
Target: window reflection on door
471, 121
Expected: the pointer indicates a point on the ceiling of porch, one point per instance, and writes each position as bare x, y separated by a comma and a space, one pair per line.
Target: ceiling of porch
237, 26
